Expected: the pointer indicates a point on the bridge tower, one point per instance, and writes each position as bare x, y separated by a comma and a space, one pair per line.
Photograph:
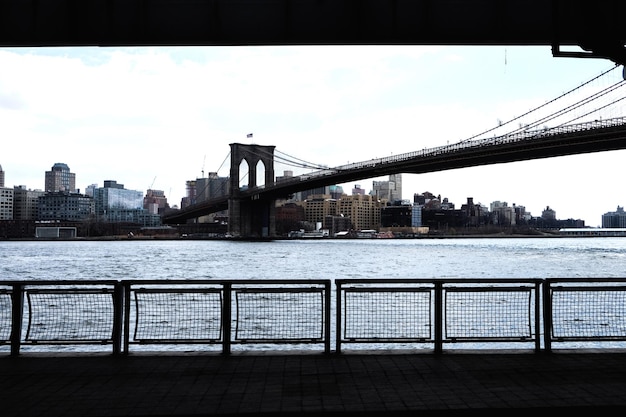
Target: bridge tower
251, 217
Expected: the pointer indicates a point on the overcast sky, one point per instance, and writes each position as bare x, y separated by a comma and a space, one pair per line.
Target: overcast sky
157, 117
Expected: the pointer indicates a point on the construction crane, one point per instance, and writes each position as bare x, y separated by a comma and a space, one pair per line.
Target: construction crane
152, 185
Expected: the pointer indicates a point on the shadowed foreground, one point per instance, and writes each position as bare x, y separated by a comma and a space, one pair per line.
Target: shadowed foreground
350, 384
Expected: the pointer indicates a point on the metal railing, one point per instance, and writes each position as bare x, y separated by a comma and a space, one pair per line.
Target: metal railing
262, 314
434, 311
584, 310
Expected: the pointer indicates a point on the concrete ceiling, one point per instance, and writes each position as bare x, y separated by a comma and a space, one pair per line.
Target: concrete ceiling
595, 26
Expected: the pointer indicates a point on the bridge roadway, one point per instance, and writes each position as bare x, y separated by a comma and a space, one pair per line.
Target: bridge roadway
346, 385
596, 136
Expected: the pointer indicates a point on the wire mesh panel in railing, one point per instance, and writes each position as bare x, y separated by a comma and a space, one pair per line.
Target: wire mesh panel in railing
489, 314
177, 315
67, 316
386, 314
279, 315
6, 324
582, 313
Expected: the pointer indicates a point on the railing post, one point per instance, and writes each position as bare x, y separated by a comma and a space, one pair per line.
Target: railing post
438, 317
538, 299
17, 309
118, 317
327, 313
127, 302
338, 316
547, 316
227, 318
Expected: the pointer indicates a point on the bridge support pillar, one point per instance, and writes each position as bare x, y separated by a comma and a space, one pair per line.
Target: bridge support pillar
249, 217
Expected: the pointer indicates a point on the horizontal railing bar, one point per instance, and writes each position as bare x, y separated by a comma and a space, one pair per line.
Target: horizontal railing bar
387, 289
538, 305
487, 289
588, 288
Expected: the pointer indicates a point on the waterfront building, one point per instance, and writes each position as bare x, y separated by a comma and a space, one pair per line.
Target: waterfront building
59, 178
614, 219
289, 216
593, 231
155, 201
115, 204
363, 210
502, 214
64, 206
318, 206
25, 203
416, 215
396, 214
337, 224
548, 214
6, 203
426, 199
521, 215
472, 214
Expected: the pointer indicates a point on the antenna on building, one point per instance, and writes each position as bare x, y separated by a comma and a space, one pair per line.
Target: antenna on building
203, 162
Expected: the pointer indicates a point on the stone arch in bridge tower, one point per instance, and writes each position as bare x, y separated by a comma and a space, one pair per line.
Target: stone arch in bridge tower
253, 155
251, 217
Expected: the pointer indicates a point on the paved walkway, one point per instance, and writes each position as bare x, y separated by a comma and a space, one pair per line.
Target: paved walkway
311, 384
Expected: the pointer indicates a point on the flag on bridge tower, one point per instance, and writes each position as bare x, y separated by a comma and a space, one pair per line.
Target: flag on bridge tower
249, 135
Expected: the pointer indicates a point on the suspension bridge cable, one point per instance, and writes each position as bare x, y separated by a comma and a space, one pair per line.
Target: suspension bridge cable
297, 162
574, 106
290, 162
302, 160
224, 161
541, 106
592, 111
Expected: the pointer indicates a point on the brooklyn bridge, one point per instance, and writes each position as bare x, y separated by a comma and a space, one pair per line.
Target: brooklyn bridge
251, 208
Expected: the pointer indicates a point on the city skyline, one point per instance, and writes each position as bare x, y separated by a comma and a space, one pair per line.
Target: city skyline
163, 116
346, 191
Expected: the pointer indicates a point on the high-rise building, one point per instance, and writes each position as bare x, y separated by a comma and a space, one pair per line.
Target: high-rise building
1, 177
25, 203
6, 203
318, 206
614, 219
323, 190
358, 190
59, 178
155, 201
114, 204
502, 214
388, 190
63, 205
548, 214
363, 210
212, 187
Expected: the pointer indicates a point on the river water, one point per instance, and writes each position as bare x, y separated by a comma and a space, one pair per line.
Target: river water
315, 259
